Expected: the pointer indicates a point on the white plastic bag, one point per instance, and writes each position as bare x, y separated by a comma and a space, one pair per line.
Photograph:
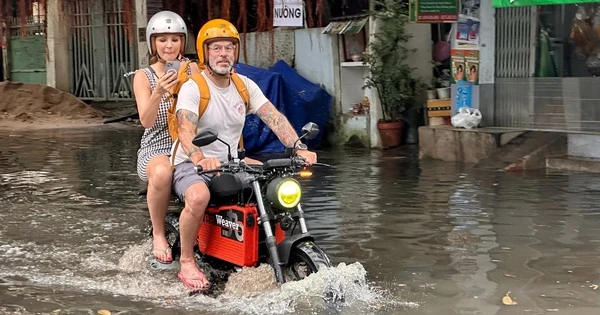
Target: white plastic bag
466, 118
460, 119
474, 119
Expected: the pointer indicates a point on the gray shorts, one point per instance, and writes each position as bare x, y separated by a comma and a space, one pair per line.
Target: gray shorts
185, 176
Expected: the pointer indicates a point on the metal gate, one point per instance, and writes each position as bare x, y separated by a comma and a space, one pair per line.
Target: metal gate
515, 42
100, 51
27, 54
515, 66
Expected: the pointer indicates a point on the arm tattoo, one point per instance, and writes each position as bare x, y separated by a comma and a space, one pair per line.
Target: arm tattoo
278, 123
186, 130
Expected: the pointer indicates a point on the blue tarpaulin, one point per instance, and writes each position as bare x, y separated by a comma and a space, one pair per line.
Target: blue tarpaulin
300, 100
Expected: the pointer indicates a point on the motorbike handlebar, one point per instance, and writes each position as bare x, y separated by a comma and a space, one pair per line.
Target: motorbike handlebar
273, 163
199, 170
224, 167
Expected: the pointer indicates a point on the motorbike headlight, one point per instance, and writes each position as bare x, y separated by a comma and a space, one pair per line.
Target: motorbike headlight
284, 192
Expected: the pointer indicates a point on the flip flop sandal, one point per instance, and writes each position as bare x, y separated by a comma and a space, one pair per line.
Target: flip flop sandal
167, 252
189, 282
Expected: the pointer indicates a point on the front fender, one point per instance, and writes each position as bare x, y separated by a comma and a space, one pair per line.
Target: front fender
285, 247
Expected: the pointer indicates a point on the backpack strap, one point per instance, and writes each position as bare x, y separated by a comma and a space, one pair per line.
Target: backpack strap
243, 90
204, 99
204, 93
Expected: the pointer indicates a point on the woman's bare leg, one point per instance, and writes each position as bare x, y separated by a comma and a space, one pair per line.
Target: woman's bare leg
160, 176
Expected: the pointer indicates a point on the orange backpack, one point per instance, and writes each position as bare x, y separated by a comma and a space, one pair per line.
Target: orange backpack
183, 77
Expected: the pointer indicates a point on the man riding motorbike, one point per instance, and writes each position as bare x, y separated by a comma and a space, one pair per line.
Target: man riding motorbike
218, 50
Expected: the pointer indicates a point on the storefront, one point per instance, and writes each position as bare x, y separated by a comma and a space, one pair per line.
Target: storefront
546, 65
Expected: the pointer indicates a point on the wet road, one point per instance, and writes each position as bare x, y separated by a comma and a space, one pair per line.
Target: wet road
410, 237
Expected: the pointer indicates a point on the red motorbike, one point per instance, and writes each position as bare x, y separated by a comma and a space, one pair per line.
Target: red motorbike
255, 215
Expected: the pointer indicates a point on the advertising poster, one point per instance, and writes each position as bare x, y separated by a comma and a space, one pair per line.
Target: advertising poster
472, 66
458, 65
464, 94
467, 31
472, 8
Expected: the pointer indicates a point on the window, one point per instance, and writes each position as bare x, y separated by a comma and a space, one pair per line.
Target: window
568, 40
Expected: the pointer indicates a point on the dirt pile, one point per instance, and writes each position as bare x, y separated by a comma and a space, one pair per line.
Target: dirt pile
29, 102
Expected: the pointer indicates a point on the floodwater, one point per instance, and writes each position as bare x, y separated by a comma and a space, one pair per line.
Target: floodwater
406, 236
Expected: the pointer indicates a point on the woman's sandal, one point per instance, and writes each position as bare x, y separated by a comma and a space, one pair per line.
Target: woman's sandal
166, 252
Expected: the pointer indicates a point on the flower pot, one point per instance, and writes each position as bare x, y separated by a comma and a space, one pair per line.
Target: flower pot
443, 93
431, 94
390, 133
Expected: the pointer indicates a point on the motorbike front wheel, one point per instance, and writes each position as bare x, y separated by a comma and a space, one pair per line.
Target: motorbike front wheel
305, 258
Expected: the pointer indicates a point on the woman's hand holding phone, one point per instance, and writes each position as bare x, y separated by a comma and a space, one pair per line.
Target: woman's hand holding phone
167, 81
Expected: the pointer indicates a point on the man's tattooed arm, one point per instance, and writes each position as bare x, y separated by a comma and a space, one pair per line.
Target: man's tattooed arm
186, 130
278, 123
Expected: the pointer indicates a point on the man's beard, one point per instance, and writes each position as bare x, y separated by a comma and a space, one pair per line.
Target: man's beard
220, 68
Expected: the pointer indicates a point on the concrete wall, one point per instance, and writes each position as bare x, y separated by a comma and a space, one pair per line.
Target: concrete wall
487, 63
353, 129
375, 113
490, 148
487, 43
421, 41
143, 56
316, 57
58, 57
421, 60
263, 49
4, 51
585, 146
448, 144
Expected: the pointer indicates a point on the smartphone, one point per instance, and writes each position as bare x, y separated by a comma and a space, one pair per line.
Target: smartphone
172, 66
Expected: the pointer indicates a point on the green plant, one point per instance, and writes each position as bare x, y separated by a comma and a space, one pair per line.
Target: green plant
397, 88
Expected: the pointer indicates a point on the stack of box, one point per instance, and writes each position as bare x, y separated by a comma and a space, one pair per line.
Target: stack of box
438, 112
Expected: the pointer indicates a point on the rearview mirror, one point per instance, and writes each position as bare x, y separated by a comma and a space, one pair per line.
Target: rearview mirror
205, 137
310, 131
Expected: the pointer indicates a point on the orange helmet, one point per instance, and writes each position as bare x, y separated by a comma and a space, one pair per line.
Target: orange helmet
217, 29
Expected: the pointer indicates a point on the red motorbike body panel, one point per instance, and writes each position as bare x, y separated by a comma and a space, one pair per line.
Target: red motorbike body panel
226, 234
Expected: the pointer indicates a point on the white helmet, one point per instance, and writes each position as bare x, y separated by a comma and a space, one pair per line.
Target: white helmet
166, 22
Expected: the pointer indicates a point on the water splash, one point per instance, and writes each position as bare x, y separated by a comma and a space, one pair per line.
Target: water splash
254, 291
248, 291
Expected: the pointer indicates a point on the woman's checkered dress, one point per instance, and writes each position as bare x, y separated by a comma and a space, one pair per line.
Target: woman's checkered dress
156, 139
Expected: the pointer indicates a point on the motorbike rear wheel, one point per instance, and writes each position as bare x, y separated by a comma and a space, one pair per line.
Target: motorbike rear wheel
305, 258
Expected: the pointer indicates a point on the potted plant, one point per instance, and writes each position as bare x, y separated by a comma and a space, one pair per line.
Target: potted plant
389, 74
436, 81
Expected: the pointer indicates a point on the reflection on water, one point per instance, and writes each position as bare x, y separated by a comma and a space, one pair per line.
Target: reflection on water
409, 236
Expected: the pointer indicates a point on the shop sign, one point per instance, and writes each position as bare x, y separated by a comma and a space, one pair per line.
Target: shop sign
522, 3
433, 11
288, 13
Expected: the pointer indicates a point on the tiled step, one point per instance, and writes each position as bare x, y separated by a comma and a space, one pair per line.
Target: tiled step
574, 164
